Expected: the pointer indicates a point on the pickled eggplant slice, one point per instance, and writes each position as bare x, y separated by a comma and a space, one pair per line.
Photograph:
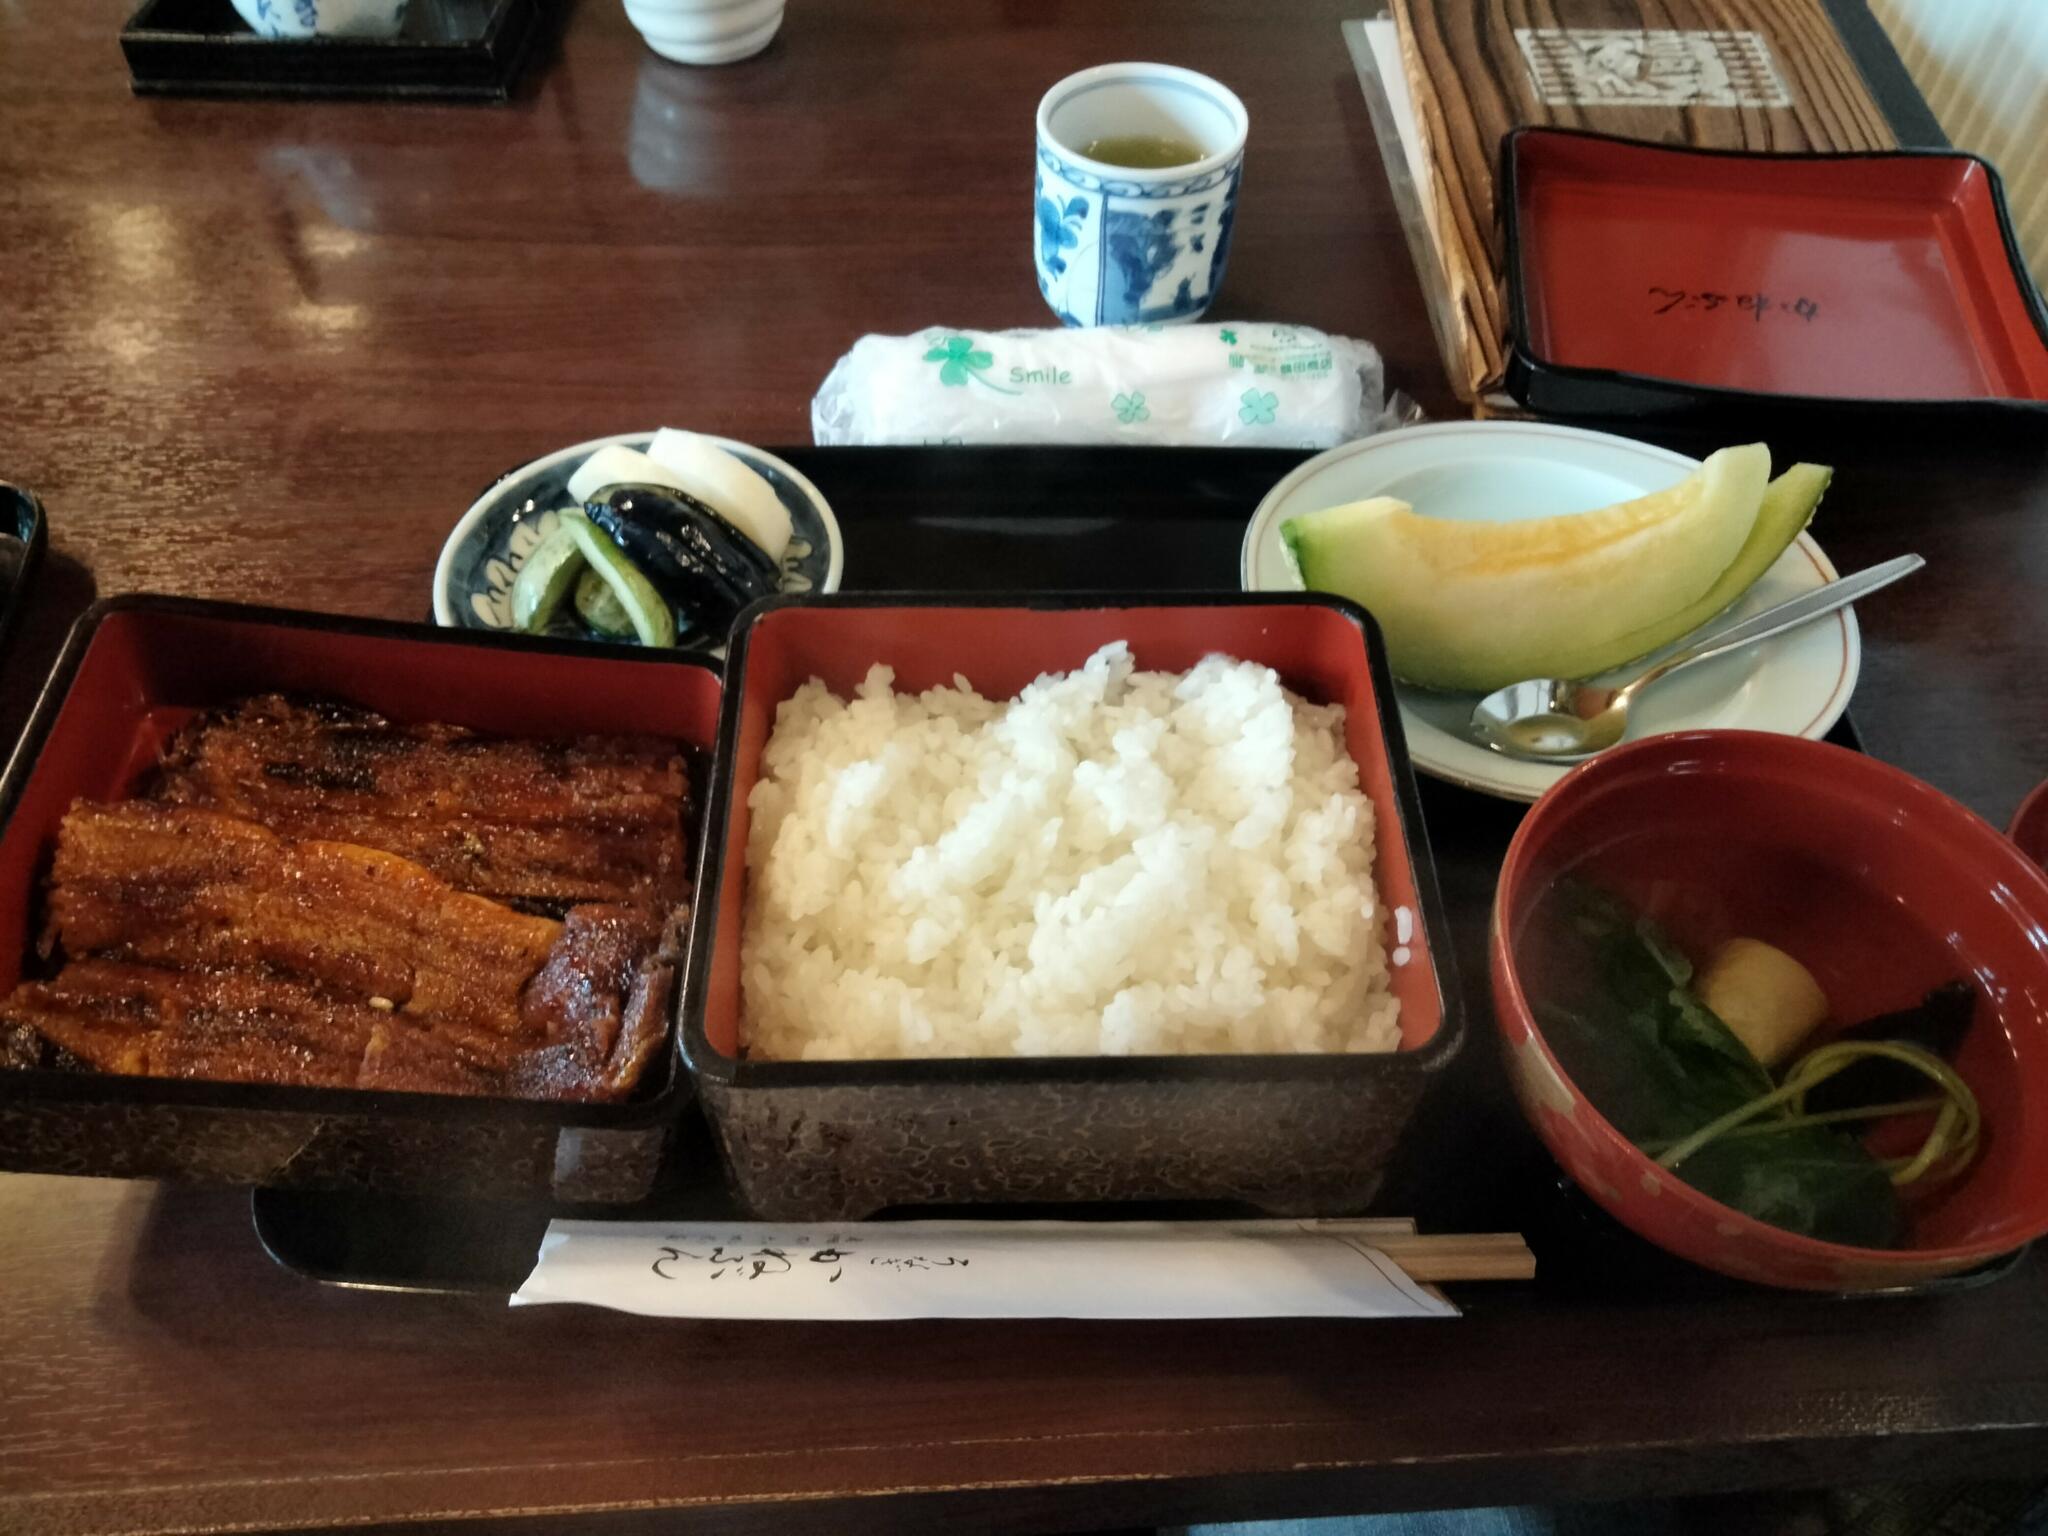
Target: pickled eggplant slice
545, 579
703, 565
599, 607
690, 518
644, 604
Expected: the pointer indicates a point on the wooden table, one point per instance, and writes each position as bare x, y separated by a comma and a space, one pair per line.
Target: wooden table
269, 351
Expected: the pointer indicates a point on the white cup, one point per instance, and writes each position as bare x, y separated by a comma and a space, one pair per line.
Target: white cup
1118, 245
706, 31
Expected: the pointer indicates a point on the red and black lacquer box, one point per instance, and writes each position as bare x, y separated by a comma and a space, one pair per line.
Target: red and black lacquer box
822, 1140
136, 668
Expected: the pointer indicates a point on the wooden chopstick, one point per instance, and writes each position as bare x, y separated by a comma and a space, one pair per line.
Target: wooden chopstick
1448, 1256
1430, 1259
1477, 1256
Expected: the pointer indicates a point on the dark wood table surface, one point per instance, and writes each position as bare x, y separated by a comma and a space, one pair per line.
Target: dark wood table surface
268, 351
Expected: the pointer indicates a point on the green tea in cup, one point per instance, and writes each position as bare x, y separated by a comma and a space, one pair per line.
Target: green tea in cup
1135, 193
1143, 151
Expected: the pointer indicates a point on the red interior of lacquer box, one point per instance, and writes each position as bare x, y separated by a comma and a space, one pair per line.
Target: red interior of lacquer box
145, 673
1318, 651
1873, 277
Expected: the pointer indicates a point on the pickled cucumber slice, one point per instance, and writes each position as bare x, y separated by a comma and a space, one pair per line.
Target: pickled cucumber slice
653, 622
597, 606
545, 579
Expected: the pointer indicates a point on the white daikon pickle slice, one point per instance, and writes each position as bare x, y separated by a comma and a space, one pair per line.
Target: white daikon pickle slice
615, 464
730, 487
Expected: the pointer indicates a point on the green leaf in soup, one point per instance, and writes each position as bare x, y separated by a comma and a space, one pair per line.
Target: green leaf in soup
1659, 1064
1711, 1049
1669, 1064
1669, 959
1630, 1078
1806, 1179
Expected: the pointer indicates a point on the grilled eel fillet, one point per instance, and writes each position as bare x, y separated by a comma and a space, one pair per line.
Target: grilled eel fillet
202, 945
540, 824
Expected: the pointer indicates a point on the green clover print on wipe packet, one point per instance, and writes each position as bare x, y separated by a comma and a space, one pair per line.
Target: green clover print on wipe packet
961, 361
1130, 408
1259, 407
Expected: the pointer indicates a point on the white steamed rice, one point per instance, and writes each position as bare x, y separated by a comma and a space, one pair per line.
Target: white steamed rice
1116, 862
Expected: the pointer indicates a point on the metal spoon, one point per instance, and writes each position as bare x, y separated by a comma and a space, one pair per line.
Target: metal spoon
1559, 720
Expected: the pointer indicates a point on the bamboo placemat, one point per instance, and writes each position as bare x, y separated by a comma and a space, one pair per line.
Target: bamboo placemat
1770, 75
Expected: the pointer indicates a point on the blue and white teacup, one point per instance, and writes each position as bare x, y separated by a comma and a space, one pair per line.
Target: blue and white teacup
324, 18
1121, 246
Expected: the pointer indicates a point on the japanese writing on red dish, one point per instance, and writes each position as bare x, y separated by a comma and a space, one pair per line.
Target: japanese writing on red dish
1754, 306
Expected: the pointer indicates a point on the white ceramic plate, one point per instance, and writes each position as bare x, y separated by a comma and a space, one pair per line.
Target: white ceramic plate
1797, 684
473, 580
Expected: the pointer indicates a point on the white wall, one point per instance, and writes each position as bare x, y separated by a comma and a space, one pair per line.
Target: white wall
1983, 67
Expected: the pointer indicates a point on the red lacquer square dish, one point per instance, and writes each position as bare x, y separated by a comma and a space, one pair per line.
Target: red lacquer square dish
1647, 280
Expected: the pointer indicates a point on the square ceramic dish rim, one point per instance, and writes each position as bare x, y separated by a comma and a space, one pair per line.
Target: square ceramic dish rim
1527, 371
735, 1073
274, 1098
32, 528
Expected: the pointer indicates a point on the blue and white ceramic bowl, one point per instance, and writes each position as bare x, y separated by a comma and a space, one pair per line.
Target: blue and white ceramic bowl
1120, 246
473, 581
324, 18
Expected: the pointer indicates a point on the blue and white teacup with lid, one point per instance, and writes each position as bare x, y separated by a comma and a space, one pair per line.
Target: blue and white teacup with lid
1117, 245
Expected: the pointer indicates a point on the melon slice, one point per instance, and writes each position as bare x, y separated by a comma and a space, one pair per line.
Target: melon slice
1476, 605
1788, 506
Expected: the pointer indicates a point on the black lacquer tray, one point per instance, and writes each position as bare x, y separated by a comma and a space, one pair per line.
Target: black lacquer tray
448, 50
1112, 519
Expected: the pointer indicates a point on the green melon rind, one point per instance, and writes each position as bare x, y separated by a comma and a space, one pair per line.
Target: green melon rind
1470, 606
1788, 506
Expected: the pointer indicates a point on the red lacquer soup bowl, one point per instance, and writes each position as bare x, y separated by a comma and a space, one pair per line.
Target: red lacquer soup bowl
2029, 826
1881, 885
